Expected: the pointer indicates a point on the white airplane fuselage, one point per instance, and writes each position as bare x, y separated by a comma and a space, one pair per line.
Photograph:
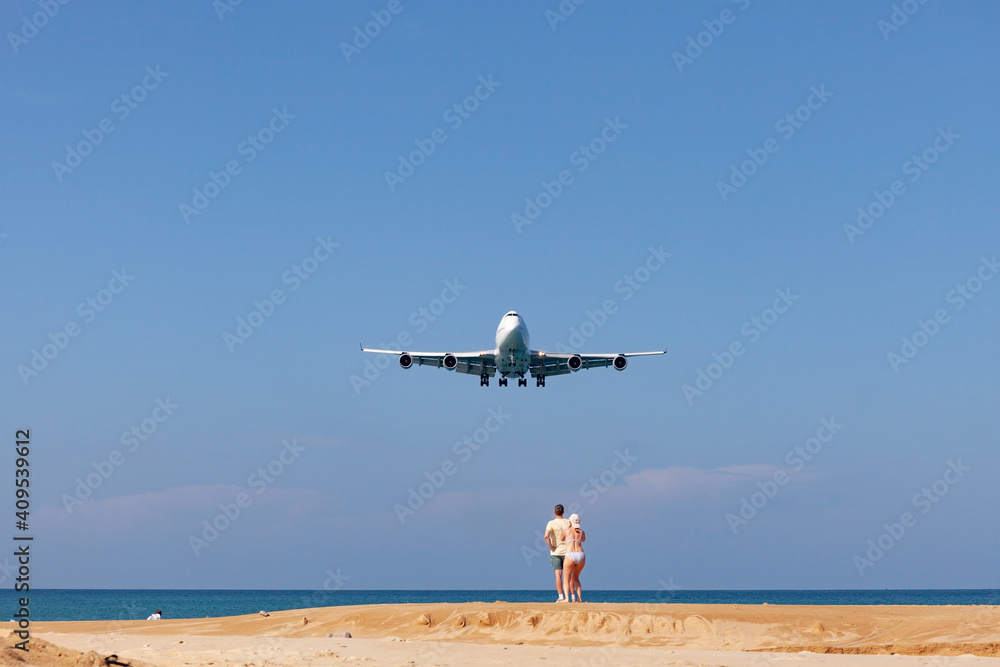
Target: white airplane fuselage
513, 355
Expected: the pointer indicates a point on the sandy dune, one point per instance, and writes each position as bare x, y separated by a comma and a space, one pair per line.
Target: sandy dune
634, 633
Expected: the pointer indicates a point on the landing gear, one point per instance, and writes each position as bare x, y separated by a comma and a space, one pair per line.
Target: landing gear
522, 382
540, 381
484, 380
502, 382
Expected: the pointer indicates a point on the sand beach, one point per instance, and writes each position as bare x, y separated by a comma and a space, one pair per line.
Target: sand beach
533, 633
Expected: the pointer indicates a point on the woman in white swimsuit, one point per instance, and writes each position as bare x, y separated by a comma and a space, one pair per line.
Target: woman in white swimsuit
574, 538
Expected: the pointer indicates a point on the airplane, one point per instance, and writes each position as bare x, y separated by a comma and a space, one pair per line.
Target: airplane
512, 356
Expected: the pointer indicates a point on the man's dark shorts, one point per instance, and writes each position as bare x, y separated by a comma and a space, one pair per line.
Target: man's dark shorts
557, 561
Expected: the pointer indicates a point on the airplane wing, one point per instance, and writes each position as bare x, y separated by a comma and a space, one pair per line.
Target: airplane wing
556, 363
473, 363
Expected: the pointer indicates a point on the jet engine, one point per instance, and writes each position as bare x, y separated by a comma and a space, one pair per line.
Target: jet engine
450, 361
620, 362
575, 362
405, 360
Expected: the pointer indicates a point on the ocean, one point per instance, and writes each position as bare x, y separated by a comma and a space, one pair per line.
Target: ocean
83, 604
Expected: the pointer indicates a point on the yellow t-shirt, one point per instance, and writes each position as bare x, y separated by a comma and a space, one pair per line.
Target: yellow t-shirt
557, 527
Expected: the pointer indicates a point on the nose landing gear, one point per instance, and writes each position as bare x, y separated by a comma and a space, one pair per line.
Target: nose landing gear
522, 382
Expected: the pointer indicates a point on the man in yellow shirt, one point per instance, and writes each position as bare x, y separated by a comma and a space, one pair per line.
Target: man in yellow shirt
557, 548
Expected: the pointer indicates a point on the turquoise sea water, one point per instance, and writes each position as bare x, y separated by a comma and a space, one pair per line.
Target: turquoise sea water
82, 604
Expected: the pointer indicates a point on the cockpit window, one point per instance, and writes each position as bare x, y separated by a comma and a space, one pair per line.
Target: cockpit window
511, 314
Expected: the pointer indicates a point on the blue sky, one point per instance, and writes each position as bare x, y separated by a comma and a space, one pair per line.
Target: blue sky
289, 141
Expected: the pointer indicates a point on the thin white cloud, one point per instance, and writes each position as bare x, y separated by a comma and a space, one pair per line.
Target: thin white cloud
678, 482
628, 492
117, 515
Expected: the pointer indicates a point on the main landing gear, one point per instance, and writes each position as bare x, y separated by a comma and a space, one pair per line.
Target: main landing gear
484, 381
